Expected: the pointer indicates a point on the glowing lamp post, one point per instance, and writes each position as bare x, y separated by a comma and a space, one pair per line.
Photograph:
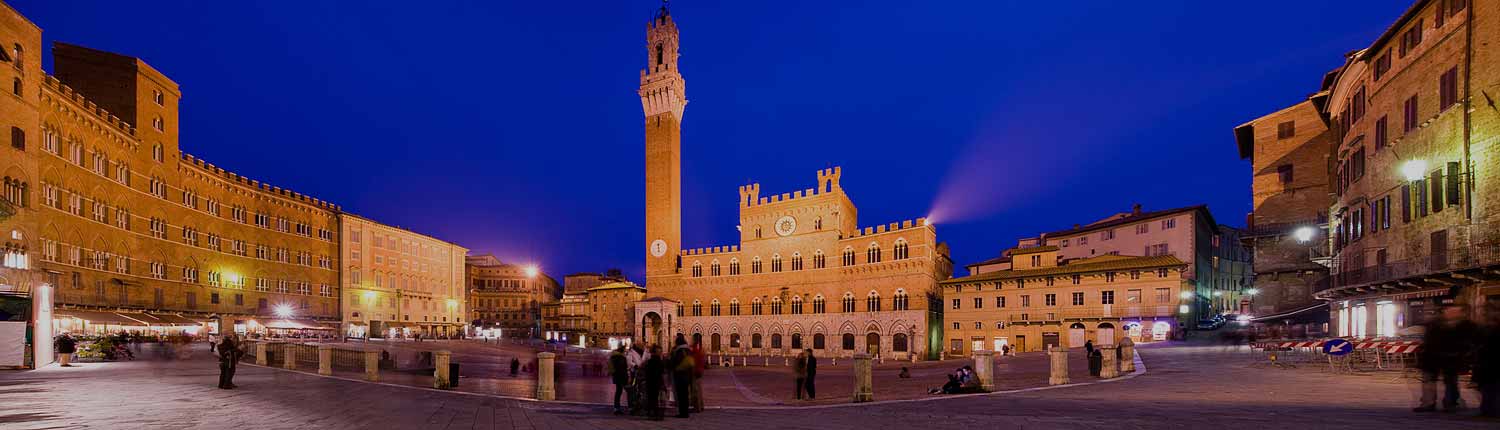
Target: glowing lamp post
1414, 170
1303, 234
532, 271
283, 311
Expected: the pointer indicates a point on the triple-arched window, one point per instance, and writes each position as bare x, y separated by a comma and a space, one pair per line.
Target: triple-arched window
900, 252
872, 254
872, 302
848, 302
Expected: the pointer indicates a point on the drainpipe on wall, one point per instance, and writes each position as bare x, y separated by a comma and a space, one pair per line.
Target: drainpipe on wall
1468, 125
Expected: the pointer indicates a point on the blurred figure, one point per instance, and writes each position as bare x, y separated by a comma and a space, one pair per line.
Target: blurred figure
682, 374
700, 365
65, 346
1487, 364
1445, 349
515, 366
619, 373
799, 372
229, 356
653, 370
812, 374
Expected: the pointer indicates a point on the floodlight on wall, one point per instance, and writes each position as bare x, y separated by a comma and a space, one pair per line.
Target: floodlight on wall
1304, 234
1414, 170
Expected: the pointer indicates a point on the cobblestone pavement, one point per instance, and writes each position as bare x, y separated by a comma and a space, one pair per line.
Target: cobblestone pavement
1185, 387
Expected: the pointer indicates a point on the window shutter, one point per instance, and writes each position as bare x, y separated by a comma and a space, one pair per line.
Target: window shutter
1451, 184
1437, 191
1405, 203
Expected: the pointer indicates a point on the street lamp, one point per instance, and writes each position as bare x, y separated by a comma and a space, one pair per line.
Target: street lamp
1303, 234
1252, 291
283, 311
1414, 170
531, 271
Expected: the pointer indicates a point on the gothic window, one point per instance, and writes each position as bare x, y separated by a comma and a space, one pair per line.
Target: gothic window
697, 269
848, 302
819, 261
713, 268
796, 305
755, 306
872, 302
734, 266
713, 308
872, 254
755, 265
776, 263
819, 306
660, 53
697, 308
775, 306
900, 301
848, 256
900, 251
734, 307
818, 224
796, 261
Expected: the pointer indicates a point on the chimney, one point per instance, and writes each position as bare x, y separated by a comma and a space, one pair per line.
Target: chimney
1075, 226
1135, 209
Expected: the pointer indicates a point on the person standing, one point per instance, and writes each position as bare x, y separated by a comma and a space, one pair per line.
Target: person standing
229, 355
799, 372
700, 366
653, 370
1088, 348
65, 346
812, 374
682, 375
1444, 350
515, 366
1487, 364
619, 373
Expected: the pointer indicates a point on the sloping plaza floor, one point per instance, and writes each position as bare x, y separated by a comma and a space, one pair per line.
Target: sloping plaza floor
1184, 387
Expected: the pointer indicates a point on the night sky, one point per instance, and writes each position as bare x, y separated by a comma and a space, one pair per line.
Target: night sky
514, 127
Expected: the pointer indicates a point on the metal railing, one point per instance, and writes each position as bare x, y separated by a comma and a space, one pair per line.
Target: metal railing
1450, 260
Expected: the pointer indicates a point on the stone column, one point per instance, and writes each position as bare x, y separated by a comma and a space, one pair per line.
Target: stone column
1127, 355
544, 387
372, 365
288, 356
1059, 358
261, 353
1108, 369
863, 389
440, 377
325, 359
984, 369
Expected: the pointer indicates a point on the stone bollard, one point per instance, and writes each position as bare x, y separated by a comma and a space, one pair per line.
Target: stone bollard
786, 361
544, 388
1127, 355
742, 361
1108, 369
325, 359
768, 361
1059, 357
261, 353
288, 356
372, 365
440, 377
863, 390
984, 369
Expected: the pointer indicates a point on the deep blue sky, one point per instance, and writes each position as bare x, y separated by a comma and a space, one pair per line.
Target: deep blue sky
514, 128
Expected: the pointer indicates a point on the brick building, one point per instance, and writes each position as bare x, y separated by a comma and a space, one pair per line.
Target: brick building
803, 275
508, 296
1415, 221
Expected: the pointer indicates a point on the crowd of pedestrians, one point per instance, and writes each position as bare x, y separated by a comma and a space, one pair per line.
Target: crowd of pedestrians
1453, 344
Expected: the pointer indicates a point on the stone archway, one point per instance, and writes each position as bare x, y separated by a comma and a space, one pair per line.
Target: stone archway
872, 344
1106, 334
1076, 335
653, 332
713, 342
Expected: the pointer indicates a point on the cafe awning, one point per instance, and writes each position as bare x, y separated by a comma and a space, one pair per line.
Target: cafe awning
296, 324
175, 319
98, 317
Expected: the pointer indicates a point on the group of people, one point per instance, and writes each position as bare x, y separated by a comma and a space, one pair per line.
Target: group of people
962, 381
642, 374
1452, 344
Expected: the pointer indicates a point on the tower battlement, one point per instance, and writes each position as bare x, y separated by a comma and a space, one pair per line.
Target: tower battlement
828, 182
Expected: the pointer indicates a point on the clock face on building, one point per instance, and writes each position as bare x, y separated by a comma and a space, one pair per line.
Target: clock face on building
786, 225
658, 248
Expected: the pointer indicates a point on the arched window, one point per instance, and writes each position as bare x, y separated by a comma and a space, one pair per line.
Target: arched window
898, 342
757, 232
15, 86
819, 261
755, 265
19, 55
818, 342
819, 305
158, 124
697, 308
900, 301
713, 308
697, 269
872, 254
775, 306
775, 340
818, 224
848, 302
775, 263
848, 256
755, 340
755, 306
900, 253
796, 305
872, 302
796, 340
660, 53
847, 341
157, 153
734, 266
796, 261
713, 268
734, 307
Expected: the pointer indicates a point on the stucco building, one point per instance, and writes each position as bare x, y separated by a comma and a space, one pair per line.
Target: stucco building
1416, 213
400, 283
611, 313
804, 273
1044, 300
508, 296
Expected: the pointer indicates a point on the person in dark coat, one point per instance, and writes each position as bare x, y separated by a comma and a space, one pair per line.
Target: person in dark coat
1487, 364
812, 375
1088, 348
652, 373
619, 373
65, 346
682, 375
515, 366
1446, 347
799, 373
229, 356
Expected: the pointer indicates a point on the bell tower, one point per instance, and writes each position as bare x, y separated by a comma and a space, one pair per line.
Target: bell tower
662, 101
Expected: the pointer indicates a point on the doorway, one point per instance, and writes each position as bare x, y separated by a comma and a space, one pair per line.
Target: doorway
872, 344
1076, 336
1106, 334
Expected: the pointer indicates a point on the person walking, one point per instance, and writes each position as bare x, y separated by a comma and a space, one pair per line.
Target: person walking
682, 375
653, 370
619, 373
700, 366
229, 355
515, 366
1487, 364
799, 372
1445, 349
1088, 348
812, 374
65, 346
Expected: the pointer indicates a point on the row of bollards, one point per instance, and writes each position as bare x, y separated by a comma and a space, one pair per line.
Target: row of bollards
1109, 367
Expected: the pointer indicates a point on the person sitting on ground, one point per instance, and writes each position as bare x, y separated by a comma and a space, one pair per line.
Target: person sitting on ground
948, 388
905, 373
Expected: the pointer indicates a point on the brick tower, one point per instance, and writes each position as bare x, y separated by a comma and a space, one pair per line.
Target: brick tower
662, 100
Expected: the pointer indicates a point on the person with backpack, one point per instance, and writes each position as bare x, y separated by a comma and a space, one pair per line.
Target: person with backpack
682, 374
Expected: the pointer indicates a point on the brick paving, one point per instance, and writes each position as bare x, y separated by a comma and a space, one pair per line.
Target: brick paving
1185, 387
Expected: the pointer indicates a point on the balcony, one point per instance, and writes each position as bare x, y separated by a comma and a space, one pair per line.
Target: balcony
1451, 266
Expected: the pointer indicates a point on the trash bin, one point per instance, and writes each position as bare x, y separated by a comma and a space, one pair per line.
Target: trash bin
452, 375
1096, 363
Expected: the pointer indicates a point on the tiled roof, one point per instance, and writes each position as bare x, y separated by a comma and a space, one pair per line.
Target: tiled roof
1030, 250
996, 260
614, 286
1134, 217
1093, 264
